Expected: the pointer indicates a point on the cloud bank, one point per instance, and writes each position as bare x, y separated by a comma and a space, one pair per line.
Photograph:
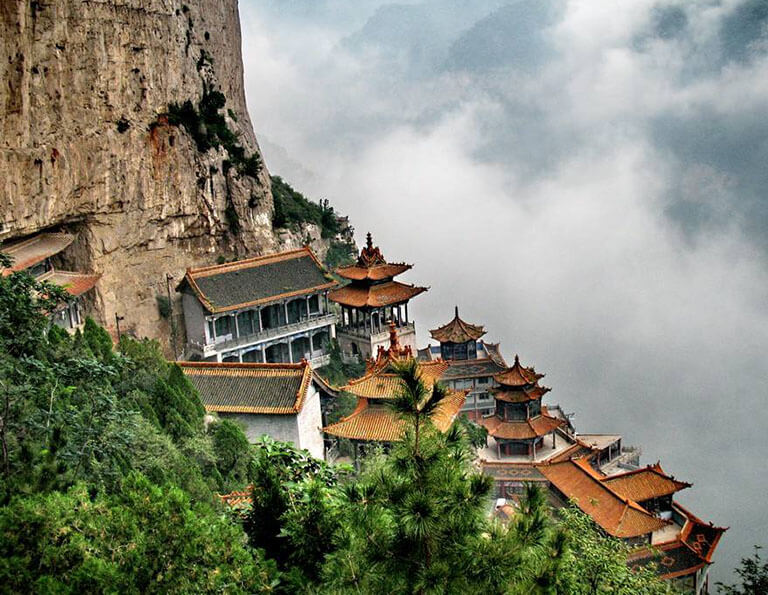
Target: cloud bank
586, 179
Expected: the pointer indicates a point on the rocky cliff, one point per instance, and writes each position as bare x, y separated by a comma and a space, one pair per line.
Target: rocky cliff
87, 143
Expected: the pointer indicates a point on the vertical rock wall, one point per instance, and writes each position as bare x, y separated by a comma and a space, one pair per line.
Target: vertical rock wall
82, 148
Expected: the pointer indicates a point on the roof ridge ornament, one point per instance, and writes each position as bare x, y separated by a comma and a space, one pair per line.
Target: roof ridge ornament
370, 255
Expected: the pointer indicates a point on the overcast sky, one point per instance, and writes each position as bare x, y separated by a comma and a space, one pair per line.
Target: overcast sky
586, 179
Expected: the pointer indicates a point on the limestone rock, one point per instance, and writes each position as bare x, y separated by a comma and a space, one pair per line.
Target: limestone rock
82, 147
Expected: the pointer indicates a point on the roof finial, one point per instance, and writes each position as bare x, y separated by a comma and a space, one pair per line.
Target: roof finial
517, 360
456, 310
369, 240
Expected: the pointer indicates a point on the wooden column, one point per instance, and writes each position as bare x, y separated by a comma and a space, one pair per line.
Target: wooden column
307, 304
258, 315
237, 326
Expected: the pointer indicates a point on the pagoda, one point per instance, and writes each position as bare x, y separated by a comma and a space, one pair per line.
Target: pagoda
472, 363
373, 421
371, 301
521, 422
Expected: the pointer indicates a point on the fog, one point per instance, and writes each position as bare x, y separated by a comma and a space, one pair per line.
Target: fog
586, 179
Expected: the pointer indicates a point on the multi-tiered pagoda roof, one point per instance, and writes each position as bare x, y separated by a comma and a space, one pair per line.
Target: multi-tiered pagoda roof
372, 283
519, 413
457, 331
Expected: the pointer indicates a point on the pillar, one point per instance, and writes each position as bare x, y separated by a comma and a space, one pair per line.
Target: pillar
264, 354
533, 450
498, 449
285, 309
258, 315
311, 349
237, 326
406, 312
306, 302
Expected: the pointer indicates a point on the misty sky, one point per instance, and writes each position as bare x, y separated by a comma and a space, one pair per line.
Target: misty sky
586, 179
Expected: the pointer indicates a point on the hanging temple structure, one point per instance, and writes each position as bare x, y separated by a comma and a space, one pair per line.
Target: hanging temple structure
258, 327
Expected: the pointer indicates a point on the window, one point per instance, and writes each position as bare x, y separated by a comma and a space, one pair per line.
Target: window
223, 326
314, 304
273, 316
483, 396
297, 310
514, 411
247, 324
483, 380
320, 340
460, 351
534, 407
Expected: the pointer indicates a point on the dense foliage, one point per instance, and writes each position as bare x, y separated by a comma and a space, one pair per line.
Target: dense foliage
340, 254
292, 209
145, 538
109, 472
208, 128
110, 469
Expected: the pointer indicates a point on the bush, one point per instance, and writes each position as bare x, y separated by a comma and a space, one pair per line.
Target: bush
292, 209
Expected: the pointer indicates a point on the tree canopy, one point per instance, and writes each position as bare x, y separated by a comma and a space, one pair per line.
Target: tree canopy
110, 471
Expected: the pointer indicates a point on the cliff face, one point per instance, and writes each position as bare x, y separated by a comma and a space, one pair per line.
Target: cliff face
82, 147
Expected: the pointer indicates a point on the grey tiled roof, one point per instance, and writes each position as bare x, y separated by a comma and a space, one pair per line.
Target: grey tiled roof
471, 369
250, 388
257, 280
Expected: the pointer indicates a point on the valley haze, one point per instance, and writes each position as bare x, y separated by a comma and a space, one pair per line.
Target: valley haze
585, 179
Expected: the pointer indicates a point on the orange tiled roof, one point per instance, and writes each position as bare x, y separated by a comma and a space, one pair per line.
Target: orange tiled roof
377, 272
75, 283
701, 537
375, 296
535, 393
31, 251
378, 423
619, 517
644, 484
382, 384
517, 375
258, 280
457, 331
521, 430
237, 499
692, 549
277, 389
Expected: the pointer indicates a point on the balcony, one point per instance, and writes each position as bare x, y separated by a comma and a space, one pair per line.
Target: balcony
270, 334
377, 337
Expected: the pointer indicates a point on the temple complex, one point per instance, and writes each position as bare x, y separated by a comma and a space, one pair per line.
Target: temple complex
269, 309
373, 421
472, 363
372, 300
35, 255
